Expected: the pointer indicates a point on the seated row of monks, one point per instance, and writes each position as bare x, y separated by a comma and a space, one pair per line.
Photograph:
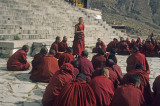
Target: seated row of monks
149, 48
81, 82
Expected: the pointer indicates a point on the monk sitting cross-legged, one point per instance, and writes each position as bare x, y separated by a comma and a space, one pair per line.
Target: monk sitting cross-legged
85, 65
129, 94
18, 61
103, 88
46, 67
99, 60
112, 44
56, 84
63, 45
66, 57
99, 44
76, 93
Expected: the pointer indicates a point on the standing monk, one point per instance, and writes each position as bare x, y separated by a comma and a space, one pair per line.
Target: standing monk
78, 43
18, 61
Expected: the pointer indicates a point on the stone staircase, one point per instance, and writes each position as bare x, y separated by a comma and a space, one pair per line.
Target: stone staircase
46, 19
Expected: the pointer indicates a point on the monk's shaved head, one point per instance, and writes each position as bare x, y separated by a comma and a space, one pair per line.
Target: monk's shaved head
25, 48
135, 80
105, 72
69, 50
52, 51
101, 51
84, 53
75, 63
110, 63
81, 76
44, 50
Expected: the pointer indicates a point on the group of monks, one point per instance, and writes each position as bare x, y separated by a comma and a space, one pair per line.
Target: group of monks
74, 80
149, 47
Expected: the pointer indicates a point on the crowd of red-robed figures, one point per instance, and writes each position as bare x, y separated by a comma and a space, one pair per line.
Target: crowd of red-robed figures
99, 82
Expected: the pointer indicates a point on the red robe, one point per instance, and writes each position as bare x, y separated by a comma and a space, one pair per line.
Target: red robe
98, 61
54, 46
65, 58
46, 68
18, 61
123, 47
133, 43
63, 46
56, 84
85, 67
156, 84
78, 43
111, 45
76, 72
95, 50
136, 58
106, 55
77, 93
145, 86
148, 50
128, 95
156, 100
103, 89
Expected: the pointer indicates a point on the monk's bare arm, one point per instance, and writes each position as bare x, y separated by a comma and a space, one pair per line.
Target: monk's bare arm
76, 30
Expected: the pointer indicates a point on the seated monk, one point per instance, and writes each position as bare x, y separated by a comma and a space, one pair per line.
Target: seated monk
99, 60
145, 86
103, 88
115, 73
133, 43
46, 68
62, 47
138, 42
66, 57
123, 48
55, 46
99, 44
18, 61
111, 55
148, 49
129, 94
56, 84
75, 65
136, 58
85, 65
112, 44
76, 93
156, 89
127, 41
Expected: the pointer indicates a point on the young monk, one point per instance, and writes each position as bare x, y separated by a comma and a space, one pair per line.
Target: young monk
76, 93
63, 45
99, 44
85, 65
45, 69
78, 43
56, 84
103, 88
123, 47
112, 44
99, 60
66, 57
136, 58
156, 89
18, 61
129, 94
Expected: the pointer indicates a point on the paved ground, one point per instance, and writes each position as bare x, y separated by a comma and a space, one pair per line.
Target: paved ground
17, 90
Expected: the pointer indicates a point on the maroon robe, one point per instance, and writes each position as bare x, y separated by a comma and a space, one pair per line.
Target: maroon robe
65, 58
103, 89
85, 67
46, 68
98, 61
122, 47
148, 50
95, 50
132, 44
77, 93
56, 84
145, 86
54, 46
156, 100
63, 46
18, 61
76, 72
111, 45
128, 95
106, 55
136, 58
78, 43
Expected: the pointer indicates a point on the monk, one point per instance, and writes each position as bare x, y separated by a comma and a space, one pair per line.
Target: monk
127, 41
85, 65
129, 94
133, 43
115, 74
136, 58
148, 49
112, 44
56, 84
38, 58
78, 43
138, 42
123, 47
63, 45
103, 88
75, 65
66, 57
46, 68
99, 44
76, 93
111, 55
99, 60
156, 89
145, 86
18, 61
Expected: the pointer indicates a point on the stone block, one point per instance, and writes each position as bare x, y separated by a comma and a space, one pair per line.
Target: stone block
6, 49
